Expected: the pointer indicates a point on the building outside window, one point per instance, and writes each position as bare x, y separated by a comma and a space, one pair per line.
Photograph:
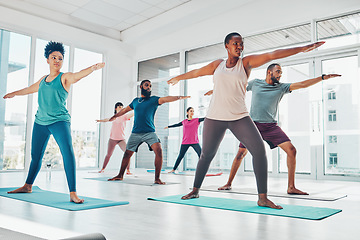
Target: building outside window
332, 115
333, 159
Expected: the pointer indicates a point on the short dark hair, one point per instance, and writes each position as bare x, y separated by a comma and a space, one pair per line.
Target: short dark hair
53, 47
144, 81
229, 36
271, 66
116, 105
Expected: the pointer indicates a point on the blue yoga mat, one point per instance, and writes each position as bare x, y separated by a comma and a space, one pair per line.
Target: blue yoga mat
153, 170
58, 200
295, 211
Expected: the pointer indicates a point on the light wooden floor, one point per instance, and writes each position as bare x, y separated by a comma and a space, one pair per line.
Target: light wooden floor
144, 219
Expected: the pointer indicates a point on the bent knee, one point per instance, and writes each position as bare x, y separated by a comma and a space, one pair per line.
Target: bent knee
241, 154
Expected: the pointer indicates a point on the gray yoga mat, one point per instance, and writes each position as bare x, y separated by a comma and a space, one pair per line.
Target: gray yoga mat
320, 196
136, 181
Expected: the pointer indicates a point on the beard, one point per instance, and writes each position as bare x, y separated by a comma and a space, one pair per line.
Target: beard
274, 80
146, 93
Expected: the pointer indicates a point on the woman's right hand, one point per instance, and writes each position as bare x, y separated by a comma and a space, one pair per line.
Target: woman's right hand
9, 95
166, 127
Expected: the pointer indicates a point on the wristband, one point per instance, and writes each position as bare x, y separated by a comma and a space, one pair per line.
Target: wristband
322, 76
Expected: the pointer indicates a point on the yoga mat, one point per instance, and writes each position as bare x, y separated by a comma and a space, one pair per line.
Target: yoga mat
213, 174
294, 211
9, 234
58, 200
136, 181
252, 191
153, 170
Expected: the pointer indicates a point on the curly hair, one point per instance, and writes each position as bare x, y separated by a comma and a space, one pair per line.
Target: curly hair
53, 47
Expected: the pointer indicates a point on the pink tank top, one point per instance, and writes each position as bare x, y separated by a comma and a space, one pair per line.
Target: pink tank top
118, 127
228, 99
190, 131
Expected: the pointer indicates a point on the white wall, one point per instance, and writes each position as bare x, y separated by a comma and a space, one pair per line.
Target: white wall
118, 74
247, 17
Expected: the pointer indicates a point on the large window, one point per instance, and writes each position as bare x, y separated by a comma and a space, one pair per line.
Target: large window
159, 70
85, 108
321, 120
339, 31
343, 115
14, 75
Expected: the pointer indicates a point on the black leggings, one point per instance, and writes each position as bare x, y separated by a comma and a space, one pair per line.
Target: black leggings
183, 150
246, 132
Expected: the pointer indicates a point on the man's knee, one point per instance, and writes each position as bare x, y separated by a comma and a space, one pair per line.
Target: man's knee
292, 151
158, 151
128, 154
241, 154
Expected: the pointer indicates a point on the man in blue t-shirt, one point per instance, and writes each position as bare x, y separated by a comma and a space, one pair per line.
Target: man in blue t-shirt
144, 129
266, 96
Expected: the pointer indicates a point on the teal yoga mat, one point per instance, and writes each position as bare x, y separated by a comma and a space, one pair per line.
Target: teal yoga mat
58, 200
294, 211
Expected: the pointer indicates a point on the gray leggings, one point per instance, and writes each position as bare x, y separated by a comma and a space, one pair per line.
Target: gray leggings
246, 132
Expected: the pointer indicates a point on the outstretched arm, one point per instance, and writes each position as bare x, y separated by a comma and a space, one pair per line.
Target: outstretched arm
25, 91
71, 78
254, 61
174, 125
310, 82
206, 70
171, 99
209, 93
122, 112
103, 120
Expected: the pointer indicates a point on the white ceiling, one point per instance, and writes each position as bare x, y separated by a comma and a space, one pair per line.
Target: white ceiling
105, 17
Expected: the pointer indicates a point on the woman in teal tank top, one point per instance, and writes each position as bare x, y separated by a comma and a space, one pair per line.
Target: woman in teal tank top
52, 117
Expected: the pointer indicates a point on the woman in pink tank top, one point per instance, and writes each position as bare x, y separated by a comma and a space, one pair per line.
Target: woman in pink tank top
117, 135
190, 135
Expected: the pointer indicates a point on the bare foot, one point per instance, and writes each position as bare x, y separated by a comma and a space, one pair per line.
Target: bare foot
102, 170
193, 194
265, 202
295, 191
75, 199
172, 171
27, 188
158, 181
225, 187
116, 178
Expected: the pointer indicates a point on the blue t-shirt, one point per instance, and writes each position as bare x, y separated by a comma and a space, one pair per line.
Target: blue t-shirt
144, 111
265, 99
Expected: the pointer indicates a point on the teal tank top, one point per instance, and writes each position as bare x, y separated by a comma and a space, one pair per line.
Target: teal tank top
52, 102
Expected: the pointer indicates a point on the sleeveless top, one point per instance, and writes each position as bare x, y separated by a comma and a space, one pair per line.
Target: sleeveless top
228, 99
118, 127
52, 102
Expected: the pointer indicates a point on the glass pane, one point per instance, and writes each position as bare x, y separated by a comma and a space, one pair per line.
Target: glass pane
340, 31
159, 67
52, 153
342, 156
14, 75
294, 117
259, 73
174, 135
196, 88
86, 100
280, 38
